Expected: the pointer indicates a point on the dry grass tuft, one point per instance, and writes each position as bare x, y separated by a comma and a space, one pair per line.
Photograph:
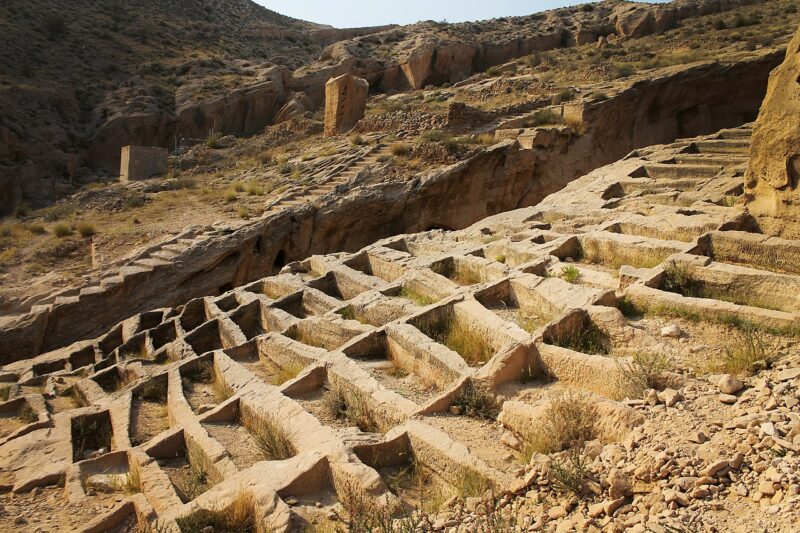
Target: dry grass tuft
476, 402
350, 406
237, 516
270, 437
569, 421
417, 297
747, 353
459, 337
642, 372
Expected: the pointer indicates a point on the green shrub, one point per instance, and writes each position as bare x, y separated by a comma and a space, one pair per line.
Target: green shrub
570, 274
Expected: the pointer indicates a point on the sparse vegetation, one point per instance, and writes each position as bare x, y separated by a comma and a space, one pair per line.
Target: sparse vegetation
747, 352
62, 230
5, 392
568, 422
578, 334
458, 336
469, 483
476, 402
351, 406
26, 414
570, 273
270, 437
237, 516
417, 297
642, 372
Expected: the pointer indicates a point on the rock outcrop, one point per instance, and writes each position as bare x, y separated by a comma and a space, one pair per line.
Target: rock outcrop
345, 102
774, 171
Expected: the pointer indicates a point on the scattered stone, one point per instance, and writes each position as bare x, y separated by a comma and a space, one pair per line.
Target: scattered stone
672, 331
728, 384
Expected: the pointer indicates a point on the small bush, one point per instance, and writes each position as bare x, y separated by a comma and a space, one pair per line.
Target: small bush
254, 189
570, 274
747, 353
5, 392
238, 186
243, 212
270, 437
544, 117
564, 96
357, 140
569, 422
598, 96
37, 229
569, 473
229, 196
476, 402
493, 71
399, 149
62, 230
622, 70
86, 229
212, 141
642, 372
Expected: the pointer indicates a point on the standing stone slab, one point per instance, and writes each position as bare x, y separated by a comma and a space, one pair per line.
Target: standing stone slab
345, 102
140, 162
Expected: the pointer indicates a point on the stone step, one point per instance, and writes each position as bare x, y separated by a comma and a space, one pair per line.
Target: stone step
722, 146
681, 171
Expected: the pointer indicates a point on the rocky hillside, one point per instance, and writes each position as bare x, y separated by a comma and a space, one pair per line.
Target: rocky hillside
81, 79
69, 67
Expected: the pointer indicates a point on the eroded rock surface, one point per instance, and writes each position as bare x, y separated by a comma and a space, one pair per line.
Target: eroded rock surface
773, 175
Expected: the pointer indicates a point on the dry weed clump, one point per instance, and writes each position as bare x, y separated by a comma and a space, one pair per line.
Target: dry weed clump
352, 406
237, 516
569, 421
643, 371
476, 402
747, 353
458, 336
270, 437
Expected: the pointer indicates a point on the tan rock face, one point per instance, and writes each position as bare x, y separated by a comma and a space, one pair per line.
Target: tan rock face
774, 171
345, 102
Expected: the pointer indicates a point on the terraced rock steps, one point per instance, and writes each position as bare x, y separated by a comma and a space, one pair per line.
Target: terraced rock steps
396, 371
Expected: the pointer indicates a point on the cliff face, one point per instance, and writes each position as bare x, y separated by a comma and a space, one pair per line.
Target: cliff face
773, 175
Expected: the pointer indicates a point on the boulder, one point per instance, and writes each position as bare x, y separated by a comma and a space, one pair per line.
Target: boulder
298, 105
771, 183
345, 102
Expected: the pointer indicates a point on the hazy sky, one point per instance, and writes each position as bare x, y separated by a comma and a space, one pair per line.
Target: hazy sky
355, 13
